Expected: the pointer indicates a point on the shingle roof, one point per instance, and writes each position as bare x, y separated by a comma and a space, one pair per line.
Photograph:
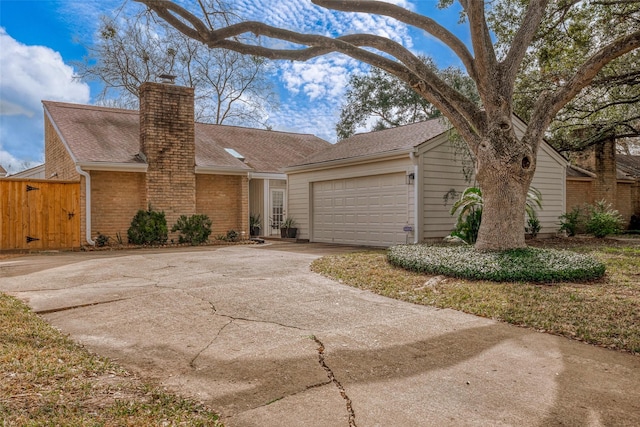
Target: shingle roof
629, 164
383, 141
101, 134
263, 150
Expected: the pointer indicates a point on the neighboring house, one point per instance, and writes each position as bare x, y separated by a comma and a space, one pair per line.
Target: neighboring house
3, 172
599, 173
36, 172
391, 186
129, 160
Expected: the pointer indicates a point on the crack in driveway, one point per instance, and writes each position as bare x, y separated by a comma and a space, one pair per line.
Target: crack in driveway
334, 380
232, 319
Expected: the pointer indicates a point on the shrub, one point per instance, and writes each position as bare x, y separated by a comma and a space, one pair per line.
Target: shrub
232, 236
517, 265
147, 228
469, 211
102, 240
533, 225
570, 221
467, 227
194, 229
603, 220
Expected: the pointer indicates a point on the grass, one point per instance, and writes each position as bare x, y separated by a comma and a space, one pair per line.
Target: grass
603, 312
46, 379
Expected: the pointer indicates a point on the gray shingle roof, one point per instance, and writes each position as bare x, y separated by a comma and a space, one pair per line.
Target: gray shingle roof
629, 164
383, 141
101, 134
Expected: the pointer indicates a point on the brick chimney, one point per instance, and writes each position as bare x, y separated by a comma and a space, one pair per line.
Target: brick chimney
167, 140
601, 159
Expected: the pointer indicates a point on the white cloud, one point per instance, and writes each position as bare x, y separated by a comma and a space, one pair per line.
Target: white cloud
33, 73
315, 88
29, 75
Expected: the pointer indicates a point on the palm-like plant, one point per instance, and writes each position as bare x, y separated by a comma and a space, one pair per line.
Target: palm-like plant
469, 211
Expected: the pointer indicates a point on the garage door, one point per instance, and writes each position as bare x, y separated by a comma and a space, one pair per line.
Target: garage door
370, 210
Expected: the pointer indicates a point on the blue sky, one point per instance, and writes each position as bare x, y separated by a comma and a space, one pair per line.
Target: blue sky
40, 40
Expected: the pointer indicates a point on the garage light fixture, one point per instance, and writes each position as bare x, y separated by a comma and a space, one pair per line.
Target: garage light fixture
411, 177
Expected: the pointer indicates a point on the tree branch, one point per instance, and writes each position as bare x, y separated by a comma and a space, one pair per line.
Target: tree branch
410, 18
523, 38
485, 57
548, 104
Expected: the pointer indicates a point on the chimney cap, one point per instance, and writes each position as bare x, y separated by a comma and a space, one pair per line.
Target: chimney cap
167, 78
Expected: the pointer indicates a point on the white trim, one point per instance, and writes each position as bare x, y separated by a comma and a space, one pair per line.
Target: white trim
87, 204
218, 170
351, 161
266, 200
113, 167
417, 177
267, 175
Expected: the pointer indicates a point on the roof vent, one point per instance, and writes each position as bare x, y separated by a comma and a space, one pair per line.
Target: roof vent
167, 78
235, 154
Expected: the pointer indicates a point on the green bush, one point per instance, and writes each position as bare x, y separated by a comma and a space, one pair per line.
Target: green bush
102, 240
469, 212
194, 229
570, 221
603, 220
517, 265
232, 236
467, 227
533, 226
148, 228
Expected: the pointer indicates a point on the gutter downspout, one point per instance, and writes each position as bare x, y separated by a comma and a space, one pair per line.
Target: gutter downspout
416, 191
87, 200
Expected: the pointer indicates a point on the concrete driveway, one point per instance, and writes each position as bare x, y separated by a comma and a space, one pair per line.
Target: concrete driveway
251, 332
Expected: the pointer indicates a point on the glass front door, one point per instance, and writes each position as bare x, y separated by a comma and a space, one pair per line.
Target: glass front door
277, 210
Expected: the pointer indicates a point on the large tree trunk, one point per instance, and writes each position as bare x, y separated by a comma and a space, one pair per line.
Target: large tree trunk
505, 168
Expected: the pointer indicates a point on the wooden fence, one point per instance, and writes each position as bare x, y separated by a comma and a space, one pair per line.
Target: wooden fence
39, 214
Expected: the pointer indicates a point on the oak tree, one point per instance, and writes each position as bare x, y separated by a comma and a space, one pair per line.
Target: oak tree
505, 163
378, 100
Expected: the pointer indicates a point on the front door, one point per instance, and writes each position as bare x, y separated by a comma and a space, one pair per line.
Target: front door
277, 210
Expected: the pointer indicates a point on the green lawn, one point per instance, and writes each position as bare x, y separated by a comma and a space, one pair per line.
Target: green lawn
603, 312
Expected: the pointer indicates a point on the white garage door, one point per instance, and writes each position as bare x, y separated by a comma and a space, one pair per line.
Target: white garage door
371, 210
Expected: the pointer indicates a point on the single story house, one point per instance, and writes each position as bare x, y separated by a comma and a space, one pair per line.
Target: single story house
395, 186
129, 160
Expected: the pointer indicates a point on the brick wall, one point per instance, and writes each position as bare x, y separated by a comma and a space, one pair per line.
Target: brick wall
167, 140
115, 199
579, 192
58, 163
601, 159
224, 199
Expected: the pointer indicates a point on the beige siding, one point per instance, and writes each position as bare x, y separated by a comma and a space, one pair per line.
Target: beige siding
278, 183
256, 197
300, 185
442, 173
550, 180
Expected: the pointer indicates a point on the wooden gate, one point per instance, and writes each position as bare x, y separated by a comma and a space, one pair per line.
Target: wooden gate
39, 214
